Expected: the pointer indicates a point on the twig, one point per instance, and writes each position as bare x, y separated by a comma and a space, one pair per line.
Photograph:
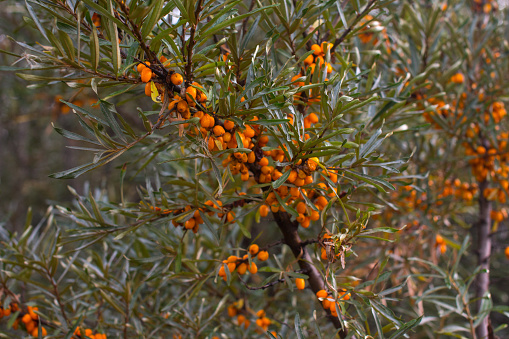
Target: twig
244, 21
57, 295
357, 19
292, 239
273, 283
190, 45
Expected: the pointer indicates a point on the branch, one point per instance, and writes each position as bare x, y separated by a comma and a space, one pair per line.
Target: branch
359, 16
273, 283
190, 46
292, 239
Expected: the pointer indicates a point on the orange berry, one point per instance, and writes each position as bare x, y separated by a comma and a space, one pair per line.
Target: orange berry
218, 130
33, 315
317, 50
458, 78
190, 94
182, 106
6, 311
309, 60
315, 215
323, 254
263, 162
249, 132
439, 239
241, 319
242, 269
141, 66
232, 258
313, 118
321, 294
507, 252
146, 75
190, 224
26, 318
264, 210
176, 79
229, 125
148, 89
230, 216
253, 249
301, 207
232, 266
321, 201
30, 326
253, 268
35, 332
263, 255
300, 283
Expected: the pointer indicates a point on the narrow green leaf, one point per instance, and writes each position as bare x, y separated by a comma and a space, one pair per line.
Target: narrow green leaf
94, 49
109, 112
116, 59
298, 329
36, 20
153, 18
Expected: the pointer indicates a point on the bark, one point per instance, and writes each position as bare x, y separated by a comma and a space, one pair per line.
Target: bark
292, 239
484, 253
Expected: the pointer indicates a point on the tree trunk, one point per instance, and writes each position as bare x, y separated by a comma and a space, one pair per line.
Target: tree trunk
484, 253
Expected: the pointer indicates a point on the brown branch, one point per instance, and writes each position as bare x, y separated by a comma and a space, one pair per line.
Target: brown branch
292, 239
244, 21
57, 295
359, 16
272, 283
190, 45
466, 306
137, 34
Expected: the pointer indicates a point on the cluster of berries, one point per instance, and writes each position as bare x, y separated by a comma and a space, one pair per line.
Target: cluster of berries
459, 189
29, 319
238, 309
87, 333
191, 223
311, 63
242, 265
328, 301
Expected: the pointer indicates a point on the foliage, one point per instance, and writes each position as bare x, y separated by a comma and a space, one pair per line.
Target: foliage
270, 156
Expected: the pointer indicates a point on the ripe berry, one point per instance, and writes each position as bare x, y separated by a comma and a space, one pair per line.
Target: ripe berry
176, 79
300, 283
146, 75
263, 255
264, 210
253, 249
253, 268
218, 130
321, 294
317, 50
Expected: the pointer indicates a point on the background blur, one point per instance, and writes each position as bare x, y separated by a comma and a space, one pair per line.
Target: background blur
30, 149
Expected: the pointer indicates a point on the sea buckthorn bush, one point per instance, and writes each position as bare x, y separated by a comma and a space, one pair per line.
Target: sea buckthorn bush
283, 169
